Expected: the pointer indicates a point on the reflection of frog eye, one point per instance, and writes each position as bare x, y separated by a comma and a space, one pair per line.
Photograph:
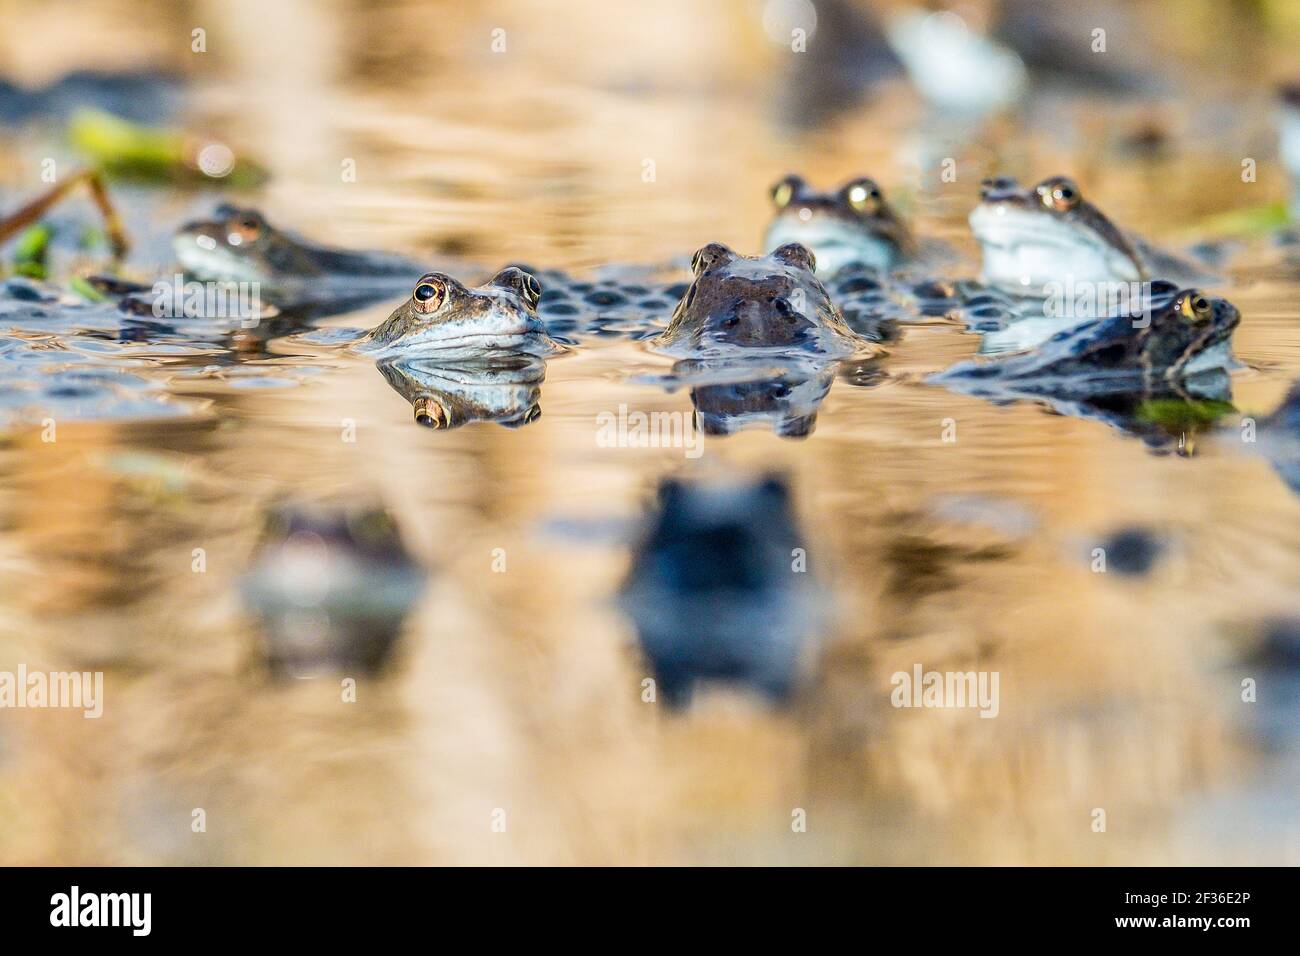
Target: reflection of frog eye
428, 295
1060, 194
1194, 306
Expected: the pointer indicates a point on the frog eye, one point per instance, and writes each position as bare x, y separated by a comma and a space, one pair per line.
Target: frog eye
1194, 306
863, 195
532, 290
796, 254
520, 282
706, 257
428, 295
243, 228
1059, 193
783, 192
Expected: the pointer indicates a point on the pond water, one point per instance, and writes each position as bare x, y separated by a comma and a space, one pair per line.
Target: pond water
948, 532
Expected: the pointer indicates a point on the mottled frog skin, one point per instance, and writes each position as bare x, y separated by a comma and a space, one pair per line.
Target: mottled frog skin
738, 304
445, 316
1170, 335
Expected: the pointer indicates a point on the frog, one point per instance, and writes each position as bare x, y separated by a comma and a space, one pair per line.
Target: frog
1169, 336
239, 244
737, 305
1035, 239
443, 315
854, 225
304, 279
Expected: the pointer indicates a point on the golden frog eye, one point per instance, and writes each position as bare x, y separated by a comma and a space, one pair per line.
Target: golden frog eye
243, 229
1194, 306
863, 195
1059, 193
783, 193
428, 295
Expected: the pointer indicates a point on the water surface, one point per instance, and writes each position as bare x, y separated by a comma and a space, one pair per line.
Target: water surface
521, 690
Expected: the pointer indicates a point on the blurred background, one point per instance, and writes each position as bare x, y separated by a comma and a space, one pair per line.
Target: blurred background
575, 134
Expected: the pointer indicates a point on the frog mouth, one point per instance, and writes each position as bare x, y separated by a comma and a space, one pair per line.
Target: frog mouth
444, 341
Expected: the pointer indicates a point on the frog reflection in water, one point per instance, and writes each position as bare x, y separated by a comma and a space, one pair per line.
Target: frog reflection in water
1034, 238
504, 388
711, 592
784, 396
1279, 438
331, 586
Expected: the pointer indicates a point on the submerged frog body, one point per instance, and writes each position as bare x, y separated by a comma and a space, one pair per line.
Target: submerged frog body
1167, 337
739, 304
442, 315
240, 245
331, 587
711, 592
504, 388
854, 224
1033, 239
